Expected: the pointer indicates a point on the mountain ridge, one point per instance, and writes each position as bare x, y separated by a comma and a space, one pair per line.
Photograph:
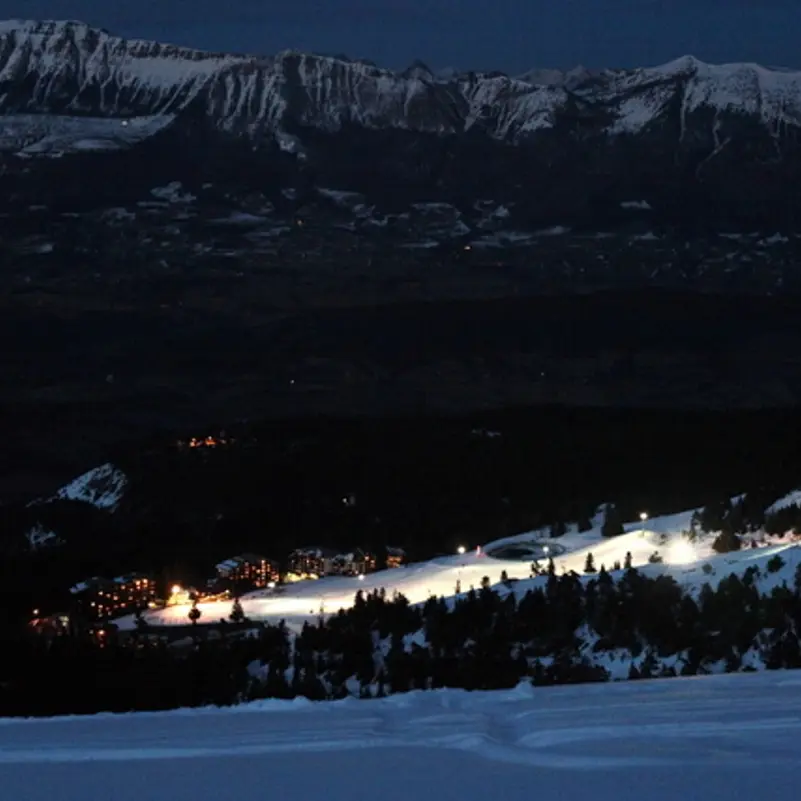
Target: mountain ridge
58, 65
91, 122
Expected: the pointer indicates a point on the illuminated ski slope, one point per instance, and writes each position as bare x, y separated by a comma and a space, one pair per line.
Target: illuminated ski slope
306, 600
417, 582
714, 737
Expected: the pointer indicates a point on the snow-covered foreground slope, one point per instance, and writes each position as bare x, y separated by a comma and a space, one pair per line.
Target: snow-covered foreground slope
714, 737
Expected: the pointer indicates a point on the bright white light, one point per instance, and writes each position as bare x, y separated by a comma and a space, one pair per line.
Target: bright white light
271, 585
461, 550
681, 552
545, 549
176, 588
643, 516
361, 576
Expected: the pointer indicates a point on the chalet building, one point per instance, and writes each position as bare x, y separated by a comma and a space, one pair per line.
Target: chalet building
249, 568
315, 561
396, 557
353, 563
100, 598
135, 590
312, 562
95, 597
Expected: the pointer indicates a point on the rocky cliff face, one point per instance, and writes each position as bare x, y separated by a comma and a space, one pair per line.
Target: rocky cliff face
702, 145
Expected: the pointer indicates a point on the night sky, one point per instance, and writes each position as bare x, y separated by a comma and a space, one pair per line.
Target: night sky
510, 35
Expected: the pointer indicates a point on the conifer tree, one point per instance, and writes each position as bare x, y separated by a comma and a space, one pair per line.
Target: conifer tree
589, 564
726, 542
775, 564
735, 521
627, 561
237, 612
139, 620
194, 613
613, 523
711, 517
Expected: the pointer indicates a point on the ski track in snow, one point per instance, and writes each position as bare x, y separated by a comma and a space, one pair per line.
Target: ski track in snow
683, 721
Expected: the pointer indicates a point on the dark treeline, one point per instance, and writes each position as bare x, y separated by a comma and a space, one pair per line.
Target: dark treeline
554, 633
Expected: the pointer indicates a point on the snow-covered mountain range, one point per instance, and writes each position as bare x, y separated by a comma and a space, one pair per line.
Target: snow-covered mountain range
71, 68
698, 145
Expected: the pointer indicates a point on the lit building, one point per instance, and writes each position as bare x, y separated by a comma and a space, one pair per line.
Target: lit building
101, 598
135, 590
396, 557
210, 441
249, 568
313, 561
353, 563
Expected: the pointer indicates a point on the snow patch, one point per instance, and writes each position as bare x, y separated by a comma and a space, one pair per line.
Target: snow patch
40, 537
173, 192
102, 487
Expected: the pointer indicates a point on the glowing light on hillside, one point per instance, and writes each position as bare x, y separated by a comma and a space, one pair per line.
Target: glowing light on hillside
643, 516
461, 550
176, 588
681, 552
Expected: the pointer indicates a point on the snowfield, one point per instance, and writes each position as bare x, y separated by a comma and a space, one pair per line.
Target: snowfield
714, 737
307, 600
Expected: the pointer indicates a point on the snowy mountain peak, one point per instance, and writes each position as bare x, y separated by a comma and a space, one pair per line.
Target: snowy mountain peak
68, 67
551, 77
417, 69
102, 487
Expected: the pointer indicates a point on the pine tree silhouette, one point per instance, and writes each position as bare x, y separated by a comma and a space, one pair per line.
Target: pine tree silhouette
613, 523
237, 612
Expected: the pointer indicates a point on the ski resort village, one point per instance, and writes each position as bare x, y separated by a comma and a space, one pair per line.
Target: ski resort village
695, 551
